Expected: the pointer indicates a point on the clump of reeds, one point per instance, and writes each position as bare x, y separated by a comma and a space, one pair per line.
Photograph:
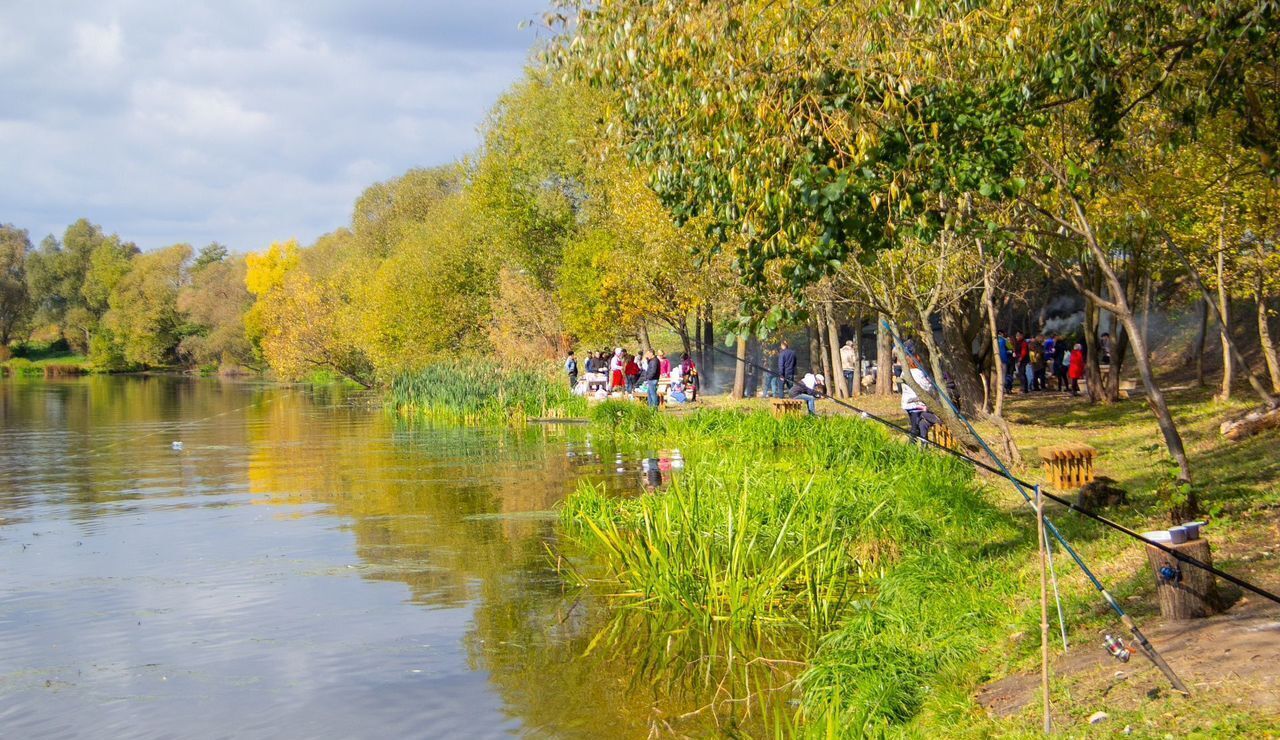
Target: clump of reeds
875, 552
471, 393
56, 370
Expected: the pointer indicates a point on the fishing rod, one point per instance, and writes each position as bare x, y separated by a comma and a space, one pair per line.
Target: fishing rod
1148, 649
1005, 473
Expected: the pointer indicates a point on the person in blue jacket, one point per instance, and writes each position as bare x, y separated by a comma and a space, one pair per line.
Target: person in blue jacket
787, 367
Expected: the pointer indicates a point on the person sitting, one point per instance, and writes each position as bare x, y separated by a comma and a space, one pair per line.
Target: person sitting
920, 417
808, 390
689, 374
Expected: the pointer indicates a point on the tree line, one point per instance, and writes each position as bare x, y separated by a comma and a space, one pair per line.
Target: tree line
122, 308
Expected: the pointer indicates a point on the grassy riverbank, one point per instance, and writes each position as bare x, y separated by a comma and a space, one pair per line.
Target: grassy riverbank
478, 393
893, 567
900, 582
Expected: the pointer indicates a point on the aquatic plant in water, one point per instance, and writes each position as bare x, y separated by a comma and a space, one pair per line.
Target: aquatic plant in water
471, 392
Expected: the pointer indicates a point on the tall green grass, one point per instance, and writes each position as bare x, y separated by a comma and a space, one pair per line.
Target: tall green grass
885, 565
483, 393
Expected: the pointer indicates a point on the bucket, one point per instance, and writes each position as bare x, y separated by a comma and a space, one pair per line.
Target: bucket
1177, 535
1193, 529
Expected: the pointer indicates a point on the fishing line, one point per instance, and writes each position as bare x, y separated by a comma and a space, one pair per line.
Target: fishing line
1147, 648
1004, 473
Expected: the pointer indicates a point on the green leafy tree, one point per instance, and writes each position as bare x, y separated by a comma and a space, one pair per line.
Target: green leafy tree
143, 314
214, 303
15, 300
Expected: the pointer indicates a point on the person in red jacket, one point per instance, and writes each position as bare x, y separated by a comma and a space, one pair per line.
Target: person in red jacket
1075, 369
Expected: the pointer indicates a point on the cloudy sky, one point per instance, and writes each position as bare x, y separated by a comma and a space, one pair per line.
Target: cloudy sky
238, 121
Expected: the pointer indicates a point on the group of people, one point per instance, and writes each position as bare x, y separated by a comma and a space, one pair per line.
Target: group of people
1033, 361
622, 372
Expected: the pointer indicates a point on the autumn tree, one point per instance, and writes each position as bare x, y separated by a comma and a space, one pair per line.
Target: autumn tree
214, 303
142, 313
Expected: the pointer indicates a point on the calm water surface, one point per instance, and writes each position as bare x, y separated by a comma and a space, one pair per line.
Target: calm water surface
305, 565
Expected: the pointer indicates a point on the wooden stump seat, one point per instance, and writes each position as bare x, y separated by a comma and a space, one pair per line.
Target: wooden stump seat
1184, 591
940, 435
783, 406
1068, 466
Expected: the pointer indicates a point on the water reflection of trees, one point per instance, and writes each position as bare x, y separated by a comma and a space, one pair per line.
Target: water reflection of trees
446, 512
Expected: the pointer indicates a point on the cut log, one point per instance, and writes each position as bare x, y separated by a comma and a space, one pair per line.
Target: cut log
1185, 591
784, 406
1068, 466
1250, 424
940, 435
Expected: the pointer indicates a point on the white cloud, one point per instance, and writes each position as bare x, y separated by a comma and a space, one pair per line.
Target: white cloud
234, 120
194, 111
98, 47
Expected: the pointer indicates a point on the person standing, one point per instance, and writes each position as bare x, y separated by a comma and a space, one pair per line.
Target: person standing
631, 370
1023, 352
1034, 358
787, 366
571, 369
649, 376
849, 365
664, 364
617, 380
1075, 368
1050, 359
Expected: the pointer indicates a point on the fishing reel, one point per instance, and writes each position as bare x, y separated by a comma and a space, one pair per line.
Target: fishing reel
1170, 573
1117, 648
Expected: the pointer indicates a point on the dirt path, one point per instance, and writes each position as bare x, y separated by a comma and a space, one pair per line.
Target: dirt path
1228, 659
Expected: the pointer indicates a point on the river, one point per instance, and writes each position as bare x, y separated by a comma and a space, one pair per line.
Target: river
207, 558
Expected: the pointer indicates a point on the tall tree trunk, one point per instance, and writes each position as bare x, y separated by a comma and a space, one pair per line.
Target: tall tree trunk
1201, 336
816, 360
1155, 396
1254, 381
740, 367
708, 340
645, 345
857, 355
1146, 311
755, 354
1093, 373
1224, 321
682, 328
835, 381
958, 361
997, 362
884, 359
1011, 452
1119, 348
1264, 339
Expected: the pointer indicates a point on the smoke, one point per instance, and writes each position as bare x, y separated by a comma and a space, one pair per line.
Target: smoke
1064, 304
1064, 324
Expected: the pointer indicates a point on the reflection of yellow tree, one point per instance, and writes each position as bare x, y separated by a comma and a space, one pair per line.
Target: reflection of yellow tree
422, 511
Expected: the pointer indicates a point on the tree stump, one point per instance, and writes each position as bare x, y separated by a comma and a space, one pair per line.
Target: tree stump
1184, 590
